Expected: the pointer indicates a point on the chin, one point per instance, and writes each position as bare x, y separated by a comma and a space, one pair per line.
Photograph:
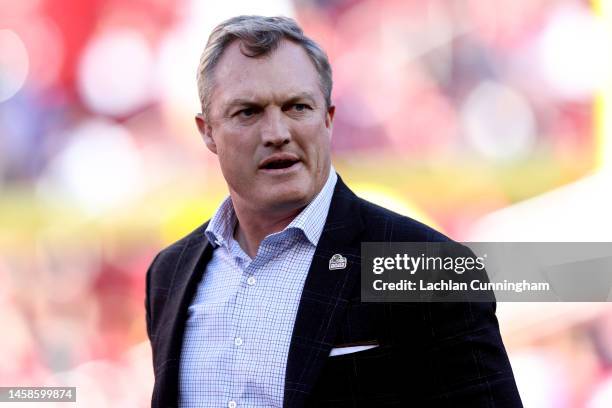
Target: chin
289, 199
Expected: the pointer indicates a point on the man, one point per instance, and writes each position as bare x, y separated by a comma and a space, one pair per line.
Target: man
247, 310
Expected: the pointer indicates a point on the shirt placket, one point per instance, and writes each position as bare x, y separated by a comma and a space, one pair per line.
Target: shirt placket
240, 332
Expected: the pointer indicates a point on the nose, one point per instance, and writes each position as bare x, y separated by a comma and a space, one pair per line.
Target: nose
274, 132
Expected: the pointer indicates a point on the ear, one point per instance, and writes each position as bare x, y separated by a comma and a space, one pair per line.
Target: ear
329, 116
206, 132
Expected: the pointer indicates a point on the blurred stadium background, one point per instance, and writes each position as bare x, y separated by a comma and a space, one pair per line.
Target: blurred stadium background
491, 120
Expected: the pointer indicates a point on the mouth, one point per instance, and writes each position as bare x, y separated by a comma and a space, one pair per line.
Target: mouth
280, 163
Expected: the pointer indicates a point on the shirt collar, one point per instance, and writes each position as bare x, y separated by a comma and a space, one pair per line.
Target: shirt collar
310, 221
312, 218
220, 229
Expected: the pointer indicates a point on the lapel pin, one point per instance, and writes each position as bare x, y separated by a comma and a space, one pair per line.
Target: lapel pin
337, 262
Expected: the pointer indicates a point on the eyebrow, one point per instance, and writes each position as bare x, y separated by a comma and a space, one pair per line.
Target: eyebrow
238, 102
300, 96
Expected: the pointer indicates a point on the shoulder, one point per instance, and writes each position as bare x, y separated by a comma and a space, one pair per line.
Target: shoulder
378, 224
381, 224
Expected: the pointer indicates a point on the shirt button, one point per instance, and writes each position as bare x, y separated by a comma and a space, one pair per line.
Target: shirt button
231, 404
251, 280
238, 342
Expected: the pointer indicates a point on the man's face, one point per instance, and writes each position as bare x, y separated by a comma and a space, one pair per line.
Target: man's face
270, 128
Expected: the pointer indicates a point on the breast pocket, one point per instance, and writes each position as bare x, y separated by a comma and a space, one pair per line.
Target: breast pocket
363, 324
367, 377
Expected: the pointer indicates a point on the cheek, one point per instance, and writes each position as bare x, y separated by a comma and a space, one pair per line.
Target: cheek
230, 163
235, 151
322, 145
317, 139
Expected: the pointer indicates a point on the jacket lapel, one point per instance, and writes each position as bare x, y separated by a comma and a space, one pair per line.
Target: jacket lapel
325, 296
186, 276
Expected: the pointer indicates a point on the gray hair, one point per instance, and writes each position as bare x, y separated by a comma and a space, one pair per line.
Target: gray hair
258, 36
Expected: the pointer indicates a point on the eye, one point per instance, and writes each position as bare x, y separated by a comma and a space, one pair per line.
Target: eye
299, 107
247, 113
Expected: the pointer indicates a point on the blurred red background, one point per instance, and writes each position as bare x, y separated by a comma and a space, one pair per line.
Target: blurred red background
488, 120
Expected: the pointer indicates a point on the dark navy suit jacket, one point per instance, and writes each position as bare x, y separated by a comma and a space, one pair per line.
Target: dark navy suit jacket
429, 355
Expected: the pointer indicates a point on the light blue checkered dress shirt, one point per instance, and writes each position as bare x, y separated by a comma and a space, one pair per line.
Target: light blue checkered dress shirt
240, 322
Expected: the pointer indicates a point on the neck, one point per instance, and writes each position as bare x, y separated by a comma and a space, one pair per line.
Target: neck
254, 226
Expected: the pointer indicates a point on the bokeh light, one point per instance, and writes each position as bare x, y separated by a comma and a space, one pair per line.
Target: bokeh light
14, 64
115, 74
498, 121
574, 52
99, 168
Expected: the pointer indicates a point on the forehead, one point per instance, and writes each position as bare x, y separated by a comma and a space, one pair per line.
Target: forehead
284, 72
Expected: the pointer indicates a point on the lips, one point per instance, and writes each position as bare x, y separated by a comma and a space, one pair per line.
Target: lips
279, 161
